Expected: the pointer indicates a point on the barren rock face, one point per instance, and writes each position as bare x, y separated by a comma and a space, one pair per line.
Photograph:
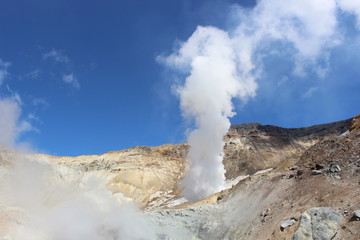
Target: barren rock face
251, 147
137, 172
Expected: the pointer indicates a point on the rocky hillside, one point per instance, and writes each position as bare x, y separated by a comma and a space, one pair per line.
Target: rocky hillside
251, 147
284, 183
140, 173
316, 197
145, 173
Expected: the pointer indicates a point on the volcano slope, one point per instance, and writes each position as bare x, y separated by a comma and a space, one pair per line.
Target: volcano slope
273, 174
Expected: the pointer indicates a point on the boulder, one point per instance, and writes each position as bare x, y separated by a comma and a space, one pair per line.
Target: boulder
335, 169
356, 215
315, 172
287, 223
320, 223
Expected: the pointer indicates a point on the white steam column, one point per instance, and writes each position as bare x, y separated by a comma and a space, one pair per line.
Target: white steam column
206, 97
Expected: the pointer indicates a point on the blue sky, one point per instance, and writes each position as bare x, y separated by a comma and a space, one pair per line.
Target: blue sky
86, 76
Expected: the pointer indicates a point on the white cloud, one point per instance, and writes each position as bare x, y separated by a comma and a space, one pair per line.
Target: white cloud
290, 22
57, 56
3, 70
351, 6
71, 80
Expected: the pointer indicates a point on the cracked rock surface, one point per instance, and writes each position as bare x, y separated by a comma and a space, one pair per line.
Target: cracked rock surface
319, 223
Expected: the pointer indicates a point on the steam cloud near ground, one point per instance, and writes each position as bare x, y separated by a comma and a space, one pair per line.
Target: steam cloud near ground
225, 64
53, 203
49, 202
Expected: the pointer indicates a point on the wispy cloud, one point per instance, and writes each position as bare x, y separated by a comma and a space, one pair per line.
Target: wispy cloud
14, 95
310, 92
39, 102
3, 70
33, 74
66, 77
71, 80
57, 56
17, 98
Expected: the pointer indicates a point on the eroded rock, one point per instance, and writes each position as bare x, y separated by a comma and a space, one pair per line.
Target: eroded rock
320, 223
335, 169
356, 215
287, 223
315, 172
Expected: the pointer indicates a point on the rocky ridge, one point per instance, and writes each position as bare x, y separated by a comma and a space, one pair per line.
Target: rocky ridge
251, 147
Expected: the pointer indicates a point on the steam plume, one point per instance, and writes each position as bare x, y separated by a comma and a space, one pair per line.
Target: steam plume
224, 64
11, 127
206, 96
